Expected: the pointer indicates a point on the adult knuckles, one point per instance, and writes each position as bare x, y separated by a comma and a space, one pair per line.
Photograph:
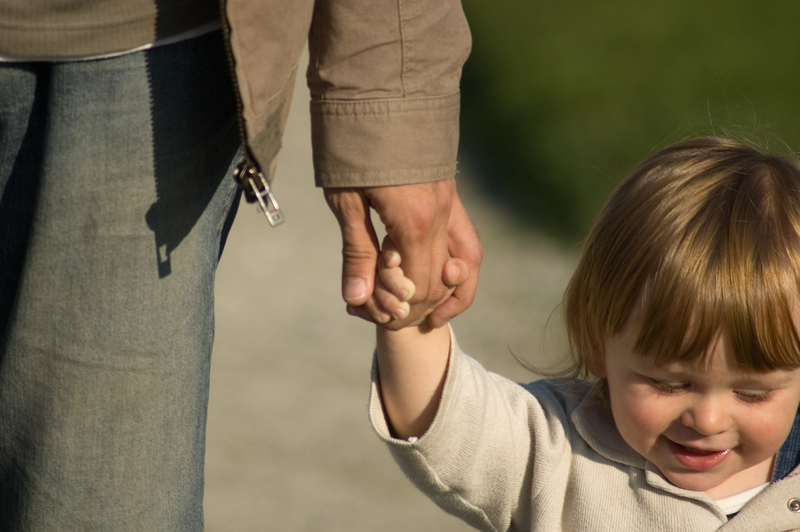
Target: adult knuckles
347, 204
353, 253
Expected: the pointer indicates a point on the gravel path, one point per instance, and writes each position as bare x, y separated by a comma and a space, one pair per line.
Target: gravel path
289, 445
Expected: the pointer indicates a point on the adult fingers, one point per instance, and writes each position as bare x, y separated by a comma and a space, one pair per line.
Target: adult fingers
416, 218
359, 244
465, 245
455, 272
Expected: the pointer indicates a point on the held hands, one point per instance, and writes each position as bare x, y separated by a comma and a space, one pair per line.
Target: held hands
428, 224
393, 289
431, 237
412, 362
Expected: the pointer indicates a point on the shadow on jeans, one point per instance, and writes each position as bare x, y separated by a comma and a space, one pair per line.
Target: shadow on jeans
191, 152
18, 194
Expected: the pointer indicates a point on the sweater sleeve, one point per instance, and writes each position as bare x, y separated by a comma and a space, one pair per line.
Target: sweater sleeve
491, 447
384, 78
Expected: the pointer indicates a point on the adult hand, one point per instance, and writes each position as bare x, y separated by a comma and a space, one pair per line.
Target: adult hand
428, 224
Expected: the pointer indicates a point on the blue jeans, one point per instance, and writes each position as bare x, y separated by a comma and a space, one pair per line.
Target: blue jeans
116, 199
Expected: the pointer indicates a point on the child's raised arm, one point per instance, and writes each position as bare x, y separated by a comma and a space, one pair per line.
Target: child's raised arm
412, 362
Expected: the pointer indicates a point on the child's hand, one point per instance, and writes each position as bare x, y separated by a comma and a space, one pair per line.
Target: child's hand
393, 289
412, 361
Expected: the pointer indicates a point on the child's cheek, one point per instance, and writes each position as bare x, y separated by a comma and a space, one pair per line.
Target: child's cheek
641, 417
763, 434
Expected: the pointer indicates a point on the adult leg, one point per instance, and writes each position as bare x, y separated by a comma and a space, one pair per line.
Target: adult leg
19, 146
105, 357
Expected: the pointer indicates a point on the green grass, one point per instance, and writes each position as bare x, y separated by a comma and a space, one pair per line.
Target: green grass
562, 98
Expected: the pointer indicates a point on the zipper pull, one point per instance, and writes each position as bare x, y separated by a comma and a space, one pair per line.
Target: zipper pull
256, 188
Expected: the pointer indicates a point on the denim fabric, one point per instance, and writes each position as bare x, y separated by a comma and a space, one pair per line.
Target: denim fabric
116, 201
789, 455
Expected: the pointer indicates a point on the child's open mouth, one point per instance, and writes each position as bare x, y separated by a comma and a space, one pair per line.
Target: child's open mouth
696, 458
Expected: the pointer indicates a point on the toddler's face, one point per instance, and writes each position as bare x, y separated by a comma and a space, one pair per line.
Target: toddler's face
714, 429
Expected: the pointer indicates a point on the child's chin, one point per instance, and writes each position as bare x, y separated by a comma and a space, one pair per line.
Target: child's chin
699, 480
716, 485
693, 482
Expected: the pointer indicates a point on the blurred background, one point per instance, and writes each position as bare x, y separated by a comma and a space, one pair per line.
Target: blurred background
560, 101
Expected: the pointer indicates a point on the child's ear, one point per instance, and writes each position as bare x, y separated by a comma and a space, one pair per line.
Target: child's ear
596, 365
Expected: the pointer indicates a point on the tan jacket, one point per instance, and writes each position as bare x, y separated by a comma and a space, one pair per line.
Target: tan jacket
548, 457
384, 74
384, 78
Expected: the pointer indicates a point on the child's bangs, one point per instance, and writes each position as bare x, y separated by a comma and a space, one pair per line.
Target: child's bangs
681, 324
732, 272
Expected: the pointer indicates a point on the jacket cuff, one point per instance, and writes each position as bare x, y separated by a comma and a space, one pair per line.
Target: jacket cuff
384, 142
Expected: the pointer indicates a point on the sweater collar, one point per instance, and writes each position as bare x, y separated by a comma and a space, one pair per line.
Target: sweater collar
594, 422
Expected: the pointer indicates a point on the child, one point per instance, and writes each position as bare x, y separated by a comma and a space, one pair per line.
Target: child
685, 307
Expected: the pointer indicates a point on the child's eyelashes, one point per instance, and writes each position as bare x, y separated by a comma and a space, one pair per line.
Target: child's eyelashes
675, 388
753, 397
669, 388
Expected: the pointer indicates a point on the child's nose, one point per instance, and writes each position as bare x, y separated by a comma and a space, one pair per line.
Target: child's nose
707, 416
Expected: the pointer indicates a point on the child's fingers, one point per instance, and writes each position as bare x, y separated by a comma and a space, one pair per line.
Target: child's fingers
396, 282
390, 254
370, 311
390, 273
391, 258
388, 300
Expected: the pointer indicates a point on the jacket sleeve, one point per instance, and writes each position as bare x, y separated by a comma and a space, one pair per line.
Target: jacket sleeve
490, 450
384, 78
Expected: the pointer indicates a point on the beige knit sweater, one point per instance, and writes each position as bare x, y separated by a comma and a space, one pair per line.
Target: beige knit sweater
547, 457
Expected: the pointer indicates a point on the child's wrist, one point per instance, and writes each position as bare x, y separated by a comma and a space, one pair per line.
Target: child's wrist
410, 331
403, 342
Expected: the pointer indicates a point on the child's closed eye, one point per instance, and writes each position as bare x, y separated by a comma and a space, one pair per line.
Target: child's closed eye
753, 396
669, 388
674, 388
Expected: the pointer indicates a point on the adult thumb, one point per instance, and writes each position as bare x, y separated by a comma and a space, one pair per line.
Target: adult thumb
360, 246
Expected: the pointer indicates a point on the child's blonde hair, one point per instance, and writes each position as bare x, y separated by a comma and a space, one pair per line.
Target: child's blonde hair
704, 236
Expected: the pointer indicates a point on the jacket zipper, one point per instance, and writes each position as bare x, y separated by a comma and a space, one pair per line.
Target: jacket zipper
247, 173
